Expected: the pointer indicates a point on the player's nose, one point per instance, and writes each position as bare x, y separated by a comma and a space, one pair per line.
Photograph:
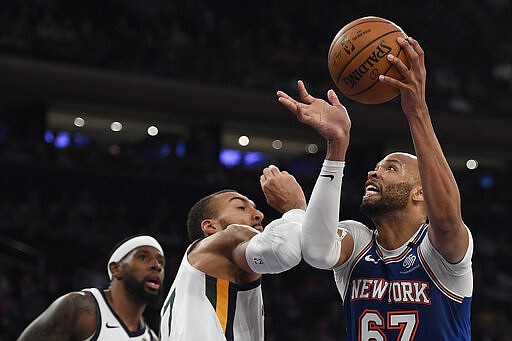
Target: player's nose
258, 215
156, 264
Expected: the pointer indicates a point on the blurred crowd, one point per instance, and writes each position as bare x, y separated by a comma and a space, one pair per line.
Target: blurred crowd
61, 210
67, 216
258, 44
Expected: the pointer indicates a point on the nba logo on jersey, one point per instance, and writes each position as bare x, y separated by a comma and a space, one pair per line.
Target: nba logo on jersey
257, 260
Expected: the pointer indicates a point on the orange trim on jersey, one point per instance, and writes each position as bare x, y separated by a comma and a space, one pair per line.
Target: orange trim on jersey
221, 308
439, 285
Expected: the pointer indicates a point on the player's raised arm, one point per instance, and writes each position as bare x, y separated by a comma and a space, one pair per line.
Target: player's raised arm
321, 245
442, 198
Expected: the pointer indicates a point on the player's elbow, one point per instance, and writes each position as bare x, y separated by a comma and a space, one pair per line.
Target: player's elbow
275, 250
321, 257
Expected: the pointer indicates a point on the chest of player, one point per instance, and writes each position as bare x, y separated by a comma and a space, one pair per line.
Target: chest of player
396, 296
395, 280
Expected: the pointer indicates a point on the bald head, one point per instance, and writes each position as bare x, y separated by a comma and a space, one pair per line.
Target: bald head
408, 162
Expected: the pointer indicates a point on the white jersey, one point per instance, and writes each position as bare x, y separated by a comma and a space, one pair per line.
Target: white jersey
204, 308
111, 327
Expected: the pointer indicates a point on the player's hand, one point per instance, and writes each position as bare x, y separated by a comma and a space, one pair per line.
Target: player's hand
330, 120
412, 86
281, 189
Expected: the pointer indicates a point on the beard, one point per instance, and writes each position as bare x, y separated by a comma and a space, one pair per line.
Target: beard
393, 197
138, 291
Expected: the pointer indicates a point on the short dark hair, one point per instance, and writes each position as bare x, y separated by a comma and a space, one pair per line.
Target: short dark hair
201, 210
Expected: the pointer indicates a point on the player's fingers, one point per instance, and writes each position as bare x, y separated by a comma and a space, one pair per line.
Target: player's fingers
411, 54
289, 103
285, 173
267, 172
399, 65
391, 81
283, 94
417, 48
333, 98
303, 93
273, 169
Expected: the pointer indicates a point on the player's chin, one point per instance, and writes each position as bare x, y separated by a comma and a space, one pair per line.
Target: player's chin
370, 197
367, 200
153, 298
153, 293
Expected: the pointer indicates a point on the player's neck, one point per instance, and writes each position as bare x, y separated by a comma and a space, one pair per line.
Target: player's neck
396, 228
126, 308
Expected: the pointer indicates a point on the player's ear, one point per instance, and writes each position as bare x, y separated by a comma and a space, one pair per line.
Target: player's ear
417, 193
115, 268
209, 227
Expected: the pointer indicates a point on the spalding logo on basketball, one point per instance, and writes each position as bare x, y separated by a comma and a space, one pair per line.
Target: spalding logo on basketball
357, 57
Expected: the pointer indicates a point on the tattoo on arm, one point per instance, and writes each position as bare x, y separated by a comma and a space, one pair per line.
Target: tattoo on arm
63, 320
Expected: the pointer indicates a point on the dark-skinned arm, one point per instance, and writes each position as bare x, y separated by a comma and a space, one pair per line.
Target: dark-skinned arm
70, 317
448, 233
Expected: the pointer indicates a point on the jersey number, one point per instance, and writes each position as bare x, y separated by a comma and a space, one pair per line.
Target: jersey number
372, 326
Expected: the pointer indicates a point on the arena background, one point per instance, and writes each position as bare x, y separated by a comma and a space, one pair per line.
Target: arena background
204, 73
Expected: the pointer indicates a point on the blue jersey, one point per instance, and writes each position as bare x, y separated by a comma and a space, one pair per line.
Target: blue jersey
410, 293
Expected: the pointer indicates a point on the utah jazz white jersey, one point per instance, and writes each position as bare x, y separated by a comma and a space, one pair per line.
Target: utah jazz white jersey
411, 293
111, 327
204, 308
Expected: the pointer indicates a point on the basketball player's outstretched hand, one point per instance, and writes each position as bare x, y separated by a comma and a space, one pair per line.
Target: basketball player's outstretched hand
281, 189
330, 120
412, 86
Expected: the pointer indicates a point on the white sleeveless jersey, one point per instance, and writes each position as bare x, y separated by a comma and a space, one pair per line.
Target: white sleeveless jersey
204, 308
111, 327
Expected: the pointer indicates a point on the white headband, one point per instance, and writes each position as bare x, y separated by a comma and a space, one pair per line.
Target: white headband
130, 245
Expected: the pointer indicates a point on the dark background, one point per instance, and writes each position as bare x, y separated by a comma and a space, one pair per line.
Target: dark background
205, 72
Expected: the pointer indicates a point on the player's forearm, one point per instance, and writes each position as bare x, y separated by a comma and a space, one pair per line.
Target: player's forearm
321, 246
442, 197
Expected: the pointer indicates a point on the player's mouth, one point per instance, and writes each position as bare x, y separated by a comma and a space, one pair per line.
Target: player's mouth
370, 189
258, 227
153, 283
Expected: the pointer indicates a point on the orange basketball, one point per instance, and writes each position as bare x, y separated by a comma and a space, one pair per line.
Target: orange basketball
357, 57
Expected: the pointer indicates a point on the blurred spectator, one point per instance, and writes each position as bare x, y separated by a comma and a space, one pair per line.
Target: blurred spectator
257, 45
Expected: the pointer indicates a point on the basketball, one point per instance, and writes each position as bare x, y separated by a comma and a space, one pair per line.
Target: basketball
357, 56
